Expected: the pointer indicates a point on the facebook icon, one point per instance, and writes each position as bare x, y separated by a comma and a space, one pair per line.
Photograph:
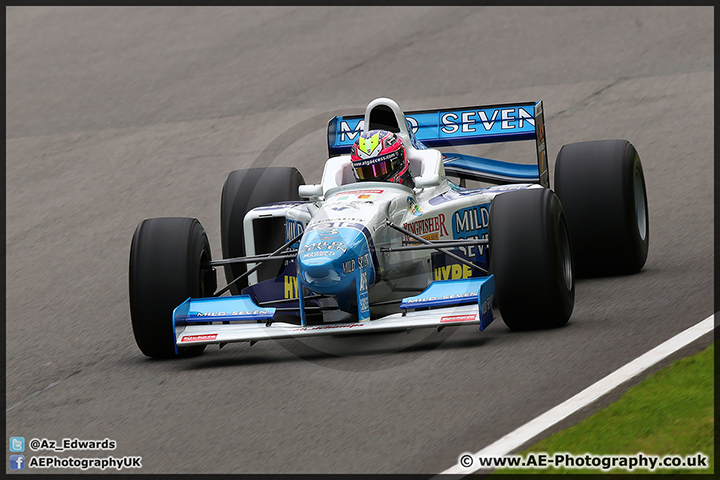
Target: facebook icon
17, 462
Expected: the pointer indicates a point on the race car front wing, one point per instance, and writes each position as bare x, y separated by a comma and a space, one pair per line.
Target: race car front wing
221, 320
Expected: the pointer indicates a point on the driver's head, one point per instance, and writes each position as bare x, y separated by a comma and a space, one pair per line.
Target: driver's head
379, 155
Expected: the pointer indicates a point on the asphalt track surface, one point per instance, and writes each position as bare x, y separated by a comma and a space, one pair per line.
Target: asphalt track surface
119, 114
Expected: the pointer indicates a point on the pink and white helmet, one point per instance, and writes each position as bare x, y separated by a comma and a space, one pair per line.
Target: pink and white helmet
379, 155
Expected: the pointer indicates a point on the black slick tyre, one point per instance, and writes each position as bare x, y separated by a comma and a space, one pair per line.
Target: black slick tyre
244, 190
531, 259
167, 258
602, 189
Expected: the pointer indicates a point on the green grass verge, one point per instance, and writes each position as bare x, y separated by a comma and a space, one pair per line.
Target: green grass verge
669, 413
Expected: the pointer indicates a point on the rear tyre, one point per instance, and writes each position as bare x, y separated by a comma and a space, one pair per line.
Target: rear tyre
602, 188
531, 259
167, 258
244, 190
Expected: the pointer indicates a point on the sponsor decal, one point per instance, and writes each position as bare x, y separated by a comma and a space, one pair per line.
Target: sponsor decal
418, 300
328, 327
453, 272
470, 221
349, 129
349, 266
337, 223
199, 338
428, 228
236, 313
327, 232
293, 228
291, 287
412, 241
350, 133
413, 207
449, 296
447, 268
474, 251
363, 282
458, 318
440, 124
355, 199
486, 305
323, 253
363, 261
374, 160
362, 192
364, 303
324, 246
473, 121
412, 125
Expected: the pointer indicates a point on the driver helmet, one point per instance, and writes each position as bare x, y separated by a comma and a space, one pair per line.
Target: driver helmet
379, 155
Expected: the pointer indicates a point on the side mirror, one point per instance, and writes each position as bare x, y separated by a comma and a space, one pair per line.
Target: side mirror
309, 191
428, 181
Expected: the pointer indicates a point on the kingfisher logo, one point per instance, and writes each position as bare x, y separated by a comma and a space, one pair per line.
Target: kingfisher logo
429, 228
199, 338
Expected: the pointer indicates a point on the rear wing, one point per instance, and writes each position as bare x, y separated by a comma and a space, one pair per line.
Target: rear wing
461, 126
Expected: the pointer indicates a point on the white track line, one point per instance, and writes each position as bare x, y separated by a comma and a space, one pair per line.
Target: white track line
530, 430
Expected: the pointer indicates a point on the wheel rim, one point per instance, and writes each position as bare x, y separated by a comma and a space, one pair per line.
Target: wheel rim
565, 257
640, 207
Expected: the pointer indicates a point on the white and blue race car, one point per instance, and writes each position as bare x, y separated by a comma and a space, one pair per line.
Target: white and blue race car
343, 256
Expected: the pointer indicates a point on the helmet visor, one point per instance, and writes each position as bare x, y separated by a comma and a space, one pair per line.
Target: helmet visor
376, 168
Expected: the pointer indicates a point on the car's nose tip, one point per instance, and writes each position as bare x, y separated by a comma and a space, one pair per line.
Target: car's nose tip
323, 272
324, 260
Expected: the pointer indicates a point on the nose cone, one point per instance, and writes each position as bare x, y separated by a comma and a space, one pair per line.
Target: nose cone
322, 274
327, 259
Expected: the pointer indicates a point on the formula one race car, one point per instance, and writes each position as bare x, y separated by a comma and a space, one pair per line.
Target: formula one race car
347, 256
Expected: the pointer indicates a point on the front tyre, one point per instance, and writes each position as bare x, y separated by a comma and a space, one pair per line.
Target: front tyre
168, 258
531, 259
244, 190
